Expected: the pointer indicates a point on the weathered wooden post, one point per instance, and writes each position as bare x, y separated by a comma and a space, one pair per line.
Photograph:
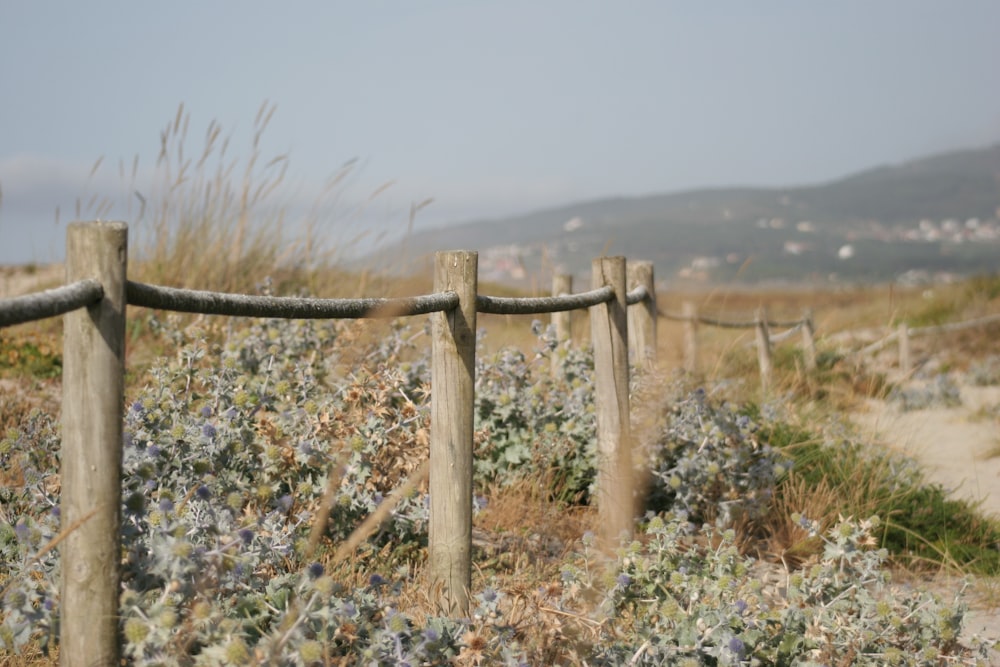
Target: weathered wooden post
90, 471
808, 340
690, 314
642, 316
609, 328
561, 321
763, 349
905, 364
453, 362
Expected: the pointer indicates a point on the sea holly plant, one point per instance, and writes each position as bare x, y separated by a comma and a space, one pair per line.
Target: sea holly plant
984, 372
709, 462
685, 596
941, 392
228, 451
531, 423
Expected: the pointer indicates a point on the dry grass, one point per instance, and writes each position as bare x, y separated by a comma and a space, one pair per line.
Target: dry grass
783, 539
33, 656
521, 540
213, 221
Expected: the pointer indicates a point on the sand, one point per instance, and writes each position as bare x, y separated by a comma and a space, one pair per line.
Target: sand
958, 448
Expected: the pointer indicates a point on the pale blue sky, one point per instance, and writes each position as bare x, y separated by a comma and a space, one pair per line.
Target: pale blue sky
489, 108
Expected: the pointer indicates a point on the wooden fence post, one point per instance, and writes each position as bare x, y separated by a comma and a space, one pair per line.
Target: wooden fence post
453, 362
562, 321
808, 340
690, 313
905, 364
763, 349
642, 316
609, 328
90, 471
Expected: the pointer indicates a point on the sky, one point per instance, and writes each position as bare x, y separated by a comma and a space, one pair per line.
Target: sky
486, 108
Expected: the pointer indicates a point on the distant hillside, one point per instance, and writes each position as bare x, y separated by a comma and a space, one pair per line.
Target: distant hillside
937, 214
961, 184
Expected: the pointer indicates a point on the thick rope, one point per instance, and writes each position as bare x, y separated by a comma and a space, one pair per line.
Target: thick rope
497, 305
638, 295
49, 303
747, 324
242, 305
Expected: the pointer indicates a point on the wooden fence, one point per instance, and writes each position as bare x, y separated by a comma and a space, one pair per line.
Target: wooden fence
762, 334
903, 333
764, 339
94, 302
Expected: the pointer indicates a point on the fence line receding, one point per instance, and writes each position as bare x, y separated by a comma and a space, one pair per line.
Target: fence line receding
764, 339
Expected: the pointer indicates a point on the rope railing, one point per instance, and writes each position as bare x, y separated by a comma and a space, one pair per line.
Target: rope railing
49, 303
763, 339
903, 333
60, 300
637, 296
911, 332
785, 335
877, 346
956, 326
242, 305
724, 324
499, 305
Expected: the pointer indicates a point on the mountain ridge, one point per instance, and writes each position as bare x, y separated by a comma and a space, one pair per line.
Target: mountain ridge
773, 226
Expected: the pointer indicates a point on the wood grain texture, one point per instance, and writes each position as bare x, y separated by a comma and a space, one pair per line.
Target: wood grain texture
90, 472
763, 350
562, 322
690, 315
642, 317
609, 328
809, 340
453, 361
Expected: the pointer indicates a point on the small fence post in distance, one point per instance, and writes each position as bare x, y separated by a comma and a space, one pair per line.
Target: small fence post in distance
763, 349
90, 470
905, 363
690, 313
808, 340
642, 316
609, 328
453, 362
561, 321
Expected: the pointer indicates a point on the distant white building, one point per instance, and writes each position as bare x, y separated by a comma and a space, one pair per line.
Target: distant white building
846, 251
795, 247
705, 263
806, 227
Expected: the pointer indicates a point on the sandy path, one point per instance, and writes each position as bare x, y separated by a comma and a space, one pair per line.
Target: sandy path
954, 445
958, 448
